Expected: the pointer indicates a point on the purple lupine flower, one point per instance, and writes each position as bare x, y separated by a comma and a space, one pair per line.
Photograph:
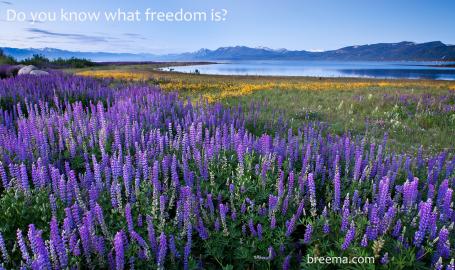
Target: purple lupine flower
100, 218
24, 179
347, 153
337, 188
372, 228
358, 162
326, 228
161, 256
259, 231
74, 245
410, 192
251, 227
308, 233
141, 242
93, 196
129, 217
100, 246
42, 253
151, 233
290, 183
240, 149
210, 203
58, 243
364, 242
451, 265
119, 251
287, 263
187, 250
350, 235
312, 190
233, 214
113, 195
442, 191
223, 211
23, 247
290, 226
387, 220
383, 195
443, 247
3, 249
172, 247
216, 225
140, 221
385, 258
244, 229
273, 200
97, 173
202, 230
438, 265
345, 215
231, 188
163, 200
397, 229
285, 205
447, 211
110, 260
300, 209
31, 237
273, 222
424, 213
243, 208
85, 240
4, 177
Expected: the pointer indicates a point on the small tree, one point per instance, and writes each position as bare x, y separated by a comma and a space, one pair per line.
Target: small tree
36, 60
5, 59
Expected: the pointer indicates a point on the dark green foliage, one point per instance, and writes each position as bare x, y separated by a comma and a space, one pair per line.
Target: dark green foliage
5, 59
72, 63
36, 60
18, 210
42, 62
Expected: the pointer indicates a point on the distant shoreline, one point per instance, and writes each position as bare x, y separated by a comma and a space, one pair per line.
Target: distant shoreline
155, 63
443, 66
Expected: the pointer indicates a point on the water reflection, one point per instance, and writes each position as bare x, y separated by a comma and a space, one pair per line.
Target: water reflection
432, 74
402, 70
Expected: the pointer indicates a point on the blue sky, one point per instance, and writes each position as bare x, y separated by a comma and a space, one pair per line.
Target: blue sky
291, 24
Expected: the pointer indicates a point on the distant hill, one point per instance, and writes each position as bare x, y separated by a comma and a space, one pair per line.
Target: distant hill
402, 51
51, 53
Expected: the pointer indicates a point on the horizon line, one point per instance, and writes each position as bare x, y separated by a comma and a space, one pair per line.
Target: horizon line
231, 46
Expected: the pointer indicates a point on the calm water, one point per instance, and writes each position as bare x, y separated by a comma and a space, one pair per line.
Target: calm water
402, 70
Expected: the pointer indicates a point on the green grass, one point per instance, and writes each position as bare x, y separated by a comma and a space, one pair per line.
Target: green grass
364, 111
346, 105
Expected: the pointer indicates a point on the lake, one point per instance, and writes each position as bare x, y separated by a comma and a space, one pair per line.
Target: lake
371, 69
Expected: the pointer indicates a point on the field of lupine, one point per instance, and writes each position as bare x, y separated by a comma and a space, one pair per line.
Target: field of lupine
121, 175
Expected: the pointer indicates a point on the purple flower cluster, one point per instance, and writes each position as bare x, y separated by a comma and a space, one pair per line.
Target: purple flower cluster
135, 176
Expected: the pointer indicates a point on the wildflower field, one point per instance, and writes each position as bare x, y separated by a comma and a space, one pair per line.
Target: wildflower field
124, 173
414, 113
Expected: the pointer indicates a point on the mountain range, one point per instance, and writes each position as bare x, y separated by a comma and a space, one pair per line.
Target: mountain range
401, 51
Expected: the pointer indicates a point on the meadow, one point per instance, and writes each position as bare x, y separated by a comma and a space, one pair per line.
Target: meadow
142, 169
414, 113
